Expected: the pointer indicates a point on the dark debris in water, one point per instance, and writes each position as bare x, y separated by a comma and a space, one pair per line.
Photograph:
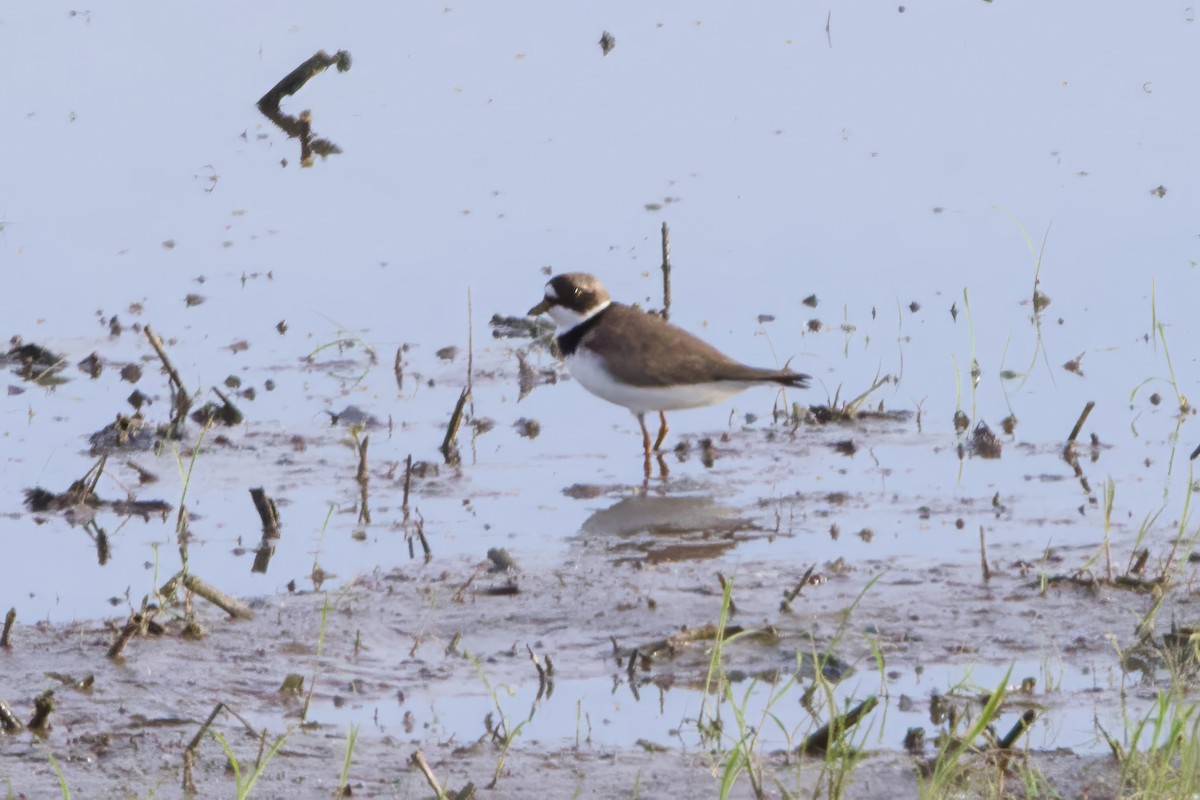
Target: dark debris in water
984, 443
80, 501
607, 43
35, 363
351, 416
300, 127
509, 327
126, 433
527, 428
92, 366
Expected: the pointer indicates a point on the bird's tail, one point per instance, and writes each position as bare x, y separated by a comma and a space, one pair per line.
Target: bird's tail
796, 380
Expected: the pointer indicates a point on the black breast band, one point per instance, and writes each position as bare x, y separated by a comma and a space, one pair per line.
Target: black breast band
568, 343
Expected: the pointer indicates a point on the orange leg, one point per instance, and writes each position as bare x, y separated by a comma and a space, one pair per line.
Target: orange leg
641, 418
662, 430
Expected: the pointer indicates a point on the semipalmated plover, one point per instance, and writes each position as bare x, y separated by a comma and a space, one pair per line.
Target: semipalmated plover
639, 360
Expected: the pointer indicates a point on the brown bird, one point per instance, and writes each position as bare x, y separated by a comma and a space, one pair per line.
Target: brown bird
640, 360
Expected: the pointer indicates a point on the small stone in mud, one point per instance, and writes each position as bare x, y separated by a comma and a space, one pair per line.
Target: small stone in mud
707, 452
114, 327
239, 346
248, 393
763, 318
958, 523
292, 684
528, 428
845, 447
93, 365
194, 300
137, 399
233, 382
810, 301
866, 534
814, 326
299, 445
914, 306
1155, 399
501, 560
281, 326
834, 531
169, 244
1159, 191
352, 415
923, 512
607, 43
1009, 424
14, 390
269, 385
131, 373
447, 353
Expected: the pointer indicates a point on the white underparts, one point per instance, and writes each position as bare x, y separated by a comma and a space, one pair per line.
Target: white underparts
588, 368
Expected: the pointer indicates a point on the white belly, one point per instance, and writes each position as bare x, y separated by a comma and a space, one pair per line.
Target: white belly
588, 369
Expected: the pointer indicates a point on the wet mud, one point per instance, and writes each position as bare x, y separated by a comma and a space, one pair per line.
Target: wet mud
513, 668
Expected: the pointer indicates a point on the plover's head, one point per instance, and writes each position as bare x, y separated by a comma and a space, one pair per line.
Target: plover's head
572, 298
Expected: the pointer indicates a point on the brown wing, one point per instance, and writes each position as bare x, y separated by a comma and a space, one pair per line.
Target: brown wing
652, 352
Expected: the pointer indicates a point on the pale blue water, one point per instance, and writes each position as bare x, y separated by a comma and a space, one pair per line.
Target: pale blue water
886, 164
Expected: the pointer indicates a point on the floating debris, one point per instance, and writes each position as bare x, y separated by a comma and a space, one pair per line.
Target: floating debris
91, 366
352, 416
508, 327
36, 363
300, 127
984, 443
527, 428
1073, 365
124, 433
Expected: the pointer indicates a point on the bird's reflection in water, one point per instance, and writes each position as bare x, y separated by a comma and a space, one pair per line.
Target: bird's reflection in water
662, 529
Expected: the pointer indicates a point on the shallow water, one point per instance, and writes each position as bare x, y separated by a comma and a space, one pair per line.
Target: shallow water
907, 168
